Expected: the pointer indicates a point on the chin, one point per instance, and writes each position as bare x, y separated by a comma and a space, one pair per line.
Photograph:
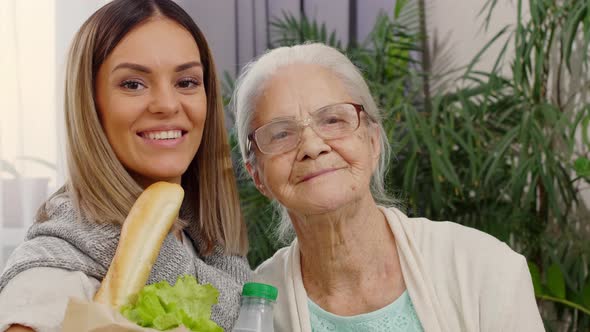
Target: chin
322, 204
165, 175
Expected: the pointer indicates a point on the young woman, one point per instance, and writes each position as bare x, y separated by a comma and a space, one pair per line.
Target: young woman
142, 105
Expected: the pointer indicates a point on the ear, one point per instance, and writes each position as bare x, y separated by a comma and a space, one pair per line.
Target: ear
375, 142
256, 177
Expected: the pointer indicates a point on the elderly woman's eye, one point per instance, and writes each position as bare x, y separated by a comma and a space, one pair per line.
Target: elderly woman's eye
280, 135
333, 120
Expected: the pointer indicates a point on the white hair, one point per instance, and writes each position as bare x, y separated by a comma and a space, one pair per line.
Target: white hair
251, 83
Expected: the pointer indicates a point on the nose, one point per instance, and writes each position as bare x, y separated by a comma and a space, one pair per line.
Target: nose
311, 145
164, 100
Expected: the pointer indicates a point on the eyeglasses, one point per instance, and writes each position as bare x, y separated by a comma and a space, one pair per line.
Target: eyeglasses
329, 122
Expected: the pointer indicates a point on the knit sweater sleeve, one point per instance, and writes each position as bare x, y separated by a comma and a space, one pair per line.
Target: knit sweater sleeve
235, 266
228, 274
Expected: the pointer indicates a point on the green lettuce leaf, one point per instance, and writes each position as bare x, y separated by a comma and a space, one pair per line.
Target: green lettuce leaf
163, 307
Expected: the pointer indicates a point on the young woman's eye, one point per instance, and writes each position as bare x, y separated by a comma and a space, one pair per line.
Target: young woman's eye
132, 85
188, 83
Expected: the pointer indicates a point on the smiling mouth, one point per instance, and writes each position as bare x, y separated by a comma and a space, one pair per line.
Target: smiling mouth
316, 174
162, 135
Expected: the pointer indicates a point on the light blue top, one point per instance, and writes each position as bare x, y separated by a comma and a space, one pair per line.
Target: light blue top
397, 316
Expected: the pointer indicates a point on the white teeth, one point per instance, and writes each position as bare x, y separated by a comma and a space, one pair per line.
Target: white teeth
161, 135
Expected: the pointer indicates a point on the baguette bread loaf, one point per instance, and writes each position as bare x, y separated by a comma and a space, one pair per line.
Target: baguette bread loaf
142, 235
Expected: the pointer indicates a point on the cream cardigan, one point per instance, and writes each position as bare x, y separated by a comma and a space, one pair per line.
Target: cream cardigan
459, 279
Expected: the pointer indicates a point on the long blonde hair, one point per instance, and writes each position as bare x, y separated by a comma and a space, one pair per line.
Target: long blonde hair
100, 186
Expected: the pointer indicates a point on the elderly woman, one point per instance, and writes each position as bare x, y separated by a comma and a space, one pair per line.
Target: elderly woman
312, 140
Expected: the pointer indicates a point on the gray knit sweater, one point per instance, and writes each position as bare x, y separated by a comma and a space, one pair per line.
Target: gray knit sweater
62, 242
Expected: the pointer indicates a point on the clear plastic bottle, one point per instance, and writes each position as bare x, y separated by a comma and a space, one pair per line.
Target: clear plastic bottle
256, 308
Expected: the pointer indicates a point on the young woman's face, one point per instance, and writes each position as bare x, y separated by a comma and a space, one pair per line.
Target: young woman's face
151, 100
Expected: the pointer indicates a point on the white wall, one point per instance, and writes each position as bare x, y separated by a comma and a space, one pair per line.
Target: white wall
36, 36
27, 83
27, 119
456, 24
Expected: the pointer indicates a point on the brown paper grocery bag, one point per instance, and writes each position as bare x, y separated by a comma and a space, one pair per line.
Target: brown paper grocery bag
83, 316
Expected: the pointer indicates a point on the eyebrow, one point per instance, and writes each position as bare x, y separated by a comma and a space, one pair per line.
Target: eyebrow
187, 66
144, 69
283, 118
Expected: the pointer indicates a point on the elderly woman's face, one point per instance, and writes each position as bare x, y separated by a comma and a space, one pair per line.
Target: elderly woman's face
319, 175
152, 102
